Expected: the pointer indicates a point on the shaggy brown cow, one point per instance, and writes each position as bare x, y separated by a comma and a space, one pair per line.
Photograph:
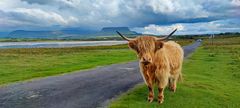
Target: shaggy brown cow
160, 62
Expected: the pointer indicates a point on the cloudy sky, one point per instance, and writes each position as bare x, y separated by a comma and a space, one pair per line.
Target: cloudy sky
145, 16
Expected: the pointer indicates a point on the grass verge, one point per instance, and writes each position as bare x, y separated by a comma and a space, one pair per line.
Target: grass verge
211, 79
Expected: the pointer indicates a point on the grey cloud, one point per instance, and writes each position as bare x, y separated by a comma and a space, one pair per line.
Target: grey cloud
95, 14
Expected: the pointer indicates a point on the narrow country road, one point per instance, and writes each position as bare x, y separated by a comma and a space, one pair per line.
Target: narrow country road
85, 89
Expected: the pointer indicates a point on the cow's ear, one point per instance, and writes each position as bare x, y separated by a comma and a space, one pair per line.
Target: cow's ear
133, 45
158, 45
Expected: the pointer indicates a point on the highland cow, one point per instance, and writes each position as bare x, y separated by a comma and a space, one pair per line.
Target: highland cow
160, 62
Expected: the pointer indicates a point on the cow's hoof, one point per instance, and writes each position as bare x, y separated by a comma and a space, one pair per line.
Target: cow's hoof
160, 101
172, 88
150, 99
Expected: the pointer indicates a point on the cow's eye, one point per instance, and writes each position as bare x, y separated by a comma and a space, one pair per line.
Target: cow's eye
158, 45
137, 50
139, 55
133, 45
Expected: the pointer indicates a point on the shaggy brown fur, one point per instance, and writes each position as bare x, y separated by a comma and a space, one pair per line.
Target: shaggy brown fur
160, 62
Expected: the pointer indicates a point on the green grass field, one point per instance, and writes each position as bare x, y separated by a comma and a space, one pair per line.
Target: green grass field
23, 64
211, 79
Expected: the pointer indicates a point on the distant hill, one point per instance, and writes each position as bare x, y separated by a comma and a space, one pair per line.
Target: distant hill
34, 34
110, 31
70, 33
60, 34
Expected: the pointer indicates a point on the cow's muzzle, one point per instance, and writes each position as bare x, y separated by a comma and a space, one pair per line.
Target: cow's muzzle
145, 62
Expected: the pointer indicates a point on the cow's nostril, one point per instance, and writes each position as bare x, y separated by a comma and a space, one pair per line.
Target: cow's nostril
144, 59
145, 63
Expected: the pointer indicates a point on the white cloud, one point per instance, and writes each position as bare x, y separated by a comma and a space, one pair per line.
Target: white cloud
159, 30
219, 26
180, 8
49, 17
235, 2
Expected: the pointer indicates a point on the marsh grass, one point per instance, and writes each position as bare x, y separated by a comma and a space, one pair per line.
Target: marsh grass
24, 64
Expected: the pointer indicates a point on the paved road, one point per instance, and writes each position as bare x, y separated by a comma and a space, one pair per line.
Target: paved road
85, 89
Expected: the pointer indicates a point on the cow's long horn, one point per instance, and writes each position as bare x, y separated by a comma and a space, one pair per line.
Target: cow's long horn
124, 37
166, 37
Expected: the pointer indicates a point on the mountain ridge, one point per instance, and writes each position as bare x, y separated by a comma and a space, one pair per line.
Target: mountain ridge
69, 33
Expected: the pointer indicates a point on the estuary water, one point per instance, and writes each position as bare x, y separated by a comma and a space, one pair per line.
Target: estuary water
57, 44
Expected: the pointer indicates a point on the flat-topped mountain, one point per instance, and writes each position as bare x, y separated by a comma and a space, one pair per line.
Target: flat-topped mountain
34, 34
70, 33
112, 30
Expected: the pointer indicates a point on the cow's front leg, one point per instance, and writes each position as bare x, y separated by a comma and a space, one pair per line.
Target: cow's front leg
160, 95
162, 79
150, 82
151, 87
150, 93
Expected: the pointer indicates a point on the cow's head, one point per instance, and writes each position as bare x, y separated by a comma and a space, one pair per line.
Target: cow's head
146, 46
